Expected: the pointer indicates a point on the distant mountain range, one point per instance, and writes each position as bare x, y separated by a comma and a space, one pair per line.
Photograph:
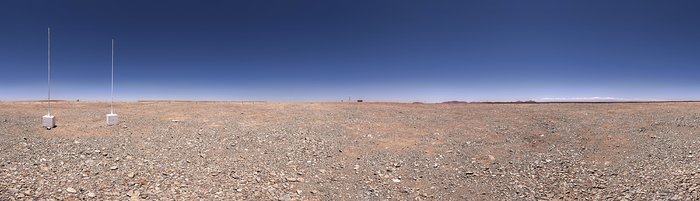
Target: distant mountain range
576, 100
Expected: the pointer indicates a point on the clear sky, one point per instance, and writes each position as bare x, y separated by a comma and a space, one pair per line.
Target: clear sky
377, 50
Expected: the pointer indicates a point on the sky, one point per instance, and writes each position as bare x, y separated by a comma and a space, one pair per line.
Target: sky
376, 50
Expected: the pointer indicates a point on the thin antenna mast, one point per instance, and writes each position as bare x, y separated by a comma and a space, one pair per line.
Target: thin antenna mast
49, 70
112, 118
111, 103
48, 121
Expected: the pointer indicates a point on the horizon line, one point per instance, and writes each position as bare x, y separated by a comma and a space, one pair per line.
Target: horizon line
363, 101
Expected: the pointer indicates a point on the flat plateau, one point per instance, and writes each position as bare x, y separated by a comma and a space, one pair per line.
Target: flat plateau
351, 151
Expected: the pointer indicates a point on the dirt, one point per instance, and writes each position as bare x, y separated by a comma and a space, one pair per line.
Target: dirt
351, 151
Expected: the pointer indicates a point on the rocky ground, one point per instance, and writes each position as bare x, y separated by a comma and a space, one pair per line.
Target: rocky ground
351, 151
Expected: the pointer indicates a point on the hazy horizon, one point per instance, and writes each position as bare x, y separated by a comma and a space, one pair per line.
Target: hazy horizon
319, 51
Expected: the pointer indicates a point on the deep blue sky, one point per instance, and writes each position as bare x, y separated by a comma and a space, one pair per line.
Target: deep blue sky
376, 50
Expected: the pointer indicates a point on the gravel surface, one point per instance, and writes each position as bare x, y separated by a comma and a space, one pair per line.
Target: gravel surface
351, 151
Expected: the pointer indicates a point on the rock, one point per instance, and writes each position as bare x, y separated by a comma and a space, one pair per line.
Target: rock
71, 190
91, 194
286, 197
113, 168
396, 180
131, 175
134, 195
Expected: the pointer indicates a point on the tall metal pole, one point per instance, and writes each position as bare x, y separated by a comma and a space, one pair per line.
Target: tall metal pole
49, 71
111, 103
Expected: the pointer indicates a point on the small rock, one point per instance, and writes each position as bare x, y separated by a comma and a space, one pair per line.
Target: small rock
286, 197
71, 190
134, 195
91, 194
113, 168
396, 180
131, 175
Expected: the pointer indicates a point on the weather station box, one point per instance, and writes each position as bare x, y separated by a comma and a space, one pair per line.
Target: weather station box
112, 119
48, 121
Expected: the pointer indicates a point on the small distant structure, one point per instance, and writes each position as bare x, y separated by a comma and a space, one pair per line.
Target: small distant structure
455, 102
48, 121
112, 119
359, 100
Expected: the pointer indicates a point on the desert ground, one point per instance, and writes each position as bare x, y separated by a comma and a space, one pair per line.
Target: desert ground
351, 151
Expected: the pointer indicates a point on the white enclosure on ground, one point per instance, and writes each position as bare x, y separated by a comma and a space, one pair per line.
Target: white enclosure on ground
48, 121
112, 119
